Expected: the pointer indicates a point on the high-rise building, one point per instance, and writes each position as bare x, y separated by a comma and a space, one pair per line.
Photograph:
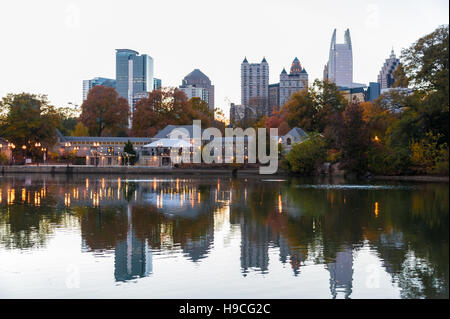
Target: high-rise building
199, 80
373, 91
386, 77
295, 81
89, 84
340, 62
193, 91
255, 85
134, 75
156, 84
274, 97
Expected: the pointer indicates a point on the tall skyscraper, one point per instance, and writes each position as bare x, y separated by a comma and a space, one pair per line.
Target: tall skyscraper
89, 84
255, 85
295, 81
340, 62
134, 75
199, 80
386, 77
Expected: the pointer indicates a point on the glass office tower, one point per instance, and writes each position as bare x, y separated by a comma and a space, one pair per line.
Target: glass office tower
134, 75
340, 63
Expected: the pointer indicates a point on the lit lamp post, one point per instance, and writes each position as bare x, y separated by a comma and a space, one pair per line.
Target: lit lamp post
44, 151
24, 147
95, 152
67, 151
11, 146
37, 145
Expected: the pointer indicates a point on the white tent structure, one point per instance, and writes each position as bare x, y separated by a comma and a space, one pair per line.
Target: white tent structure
169, 143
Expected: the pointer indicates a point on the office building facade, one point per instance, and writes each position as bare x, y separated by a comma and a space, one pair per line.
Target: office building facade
339, 68
295, 81
134, 75
386, 77
255, 85
274, 97
89, 84
157, 84
193, 91
199, 80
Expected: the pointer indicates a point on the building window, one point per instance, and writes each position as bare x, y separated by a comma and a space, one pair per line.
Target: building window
288, 141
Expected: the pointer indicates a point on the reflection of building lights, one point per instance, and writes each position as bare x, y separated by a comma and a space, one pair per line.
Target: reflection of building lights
280, 204
376, 209
87, 183
24, 195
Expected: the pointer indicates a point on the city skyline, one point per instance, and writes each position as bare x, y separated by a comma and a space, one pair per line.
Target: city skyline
68, 33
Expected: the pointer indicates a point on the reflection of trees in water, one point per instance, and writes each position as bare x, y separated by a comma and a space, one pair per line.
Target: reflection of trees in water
407, 228
23, 223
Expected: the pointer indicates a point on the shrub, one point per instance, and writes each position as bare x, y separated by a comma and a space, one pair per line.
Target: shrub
305, 157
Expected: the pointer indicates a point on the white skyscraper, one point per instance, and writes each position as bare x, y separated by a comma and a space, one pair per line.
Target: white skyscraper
340, 63
255, 84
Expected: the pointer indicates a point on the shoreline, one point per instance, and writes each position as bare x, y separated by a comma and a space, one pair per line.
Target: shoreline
145, 170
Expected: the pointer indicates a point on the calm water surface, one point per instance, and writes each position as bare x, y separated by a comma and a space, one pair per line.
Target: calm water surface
191, 237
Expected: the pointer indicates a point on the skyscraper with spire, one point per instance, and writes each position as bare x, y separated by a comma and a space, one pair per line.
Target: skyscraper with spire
255, 85
339, 68
386, 77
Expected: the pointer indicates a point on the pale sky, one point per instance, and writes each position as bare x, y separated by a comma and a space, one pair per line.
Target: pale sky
50, 47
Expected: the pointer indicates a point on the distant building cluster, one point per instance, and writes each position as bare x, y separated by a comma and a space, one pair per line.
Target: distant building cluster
259, 98
135, 79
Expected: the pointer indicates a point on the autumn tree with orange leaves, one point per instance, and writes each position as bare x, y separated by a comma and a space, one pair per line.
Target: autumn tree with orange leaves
104, 112
164, 107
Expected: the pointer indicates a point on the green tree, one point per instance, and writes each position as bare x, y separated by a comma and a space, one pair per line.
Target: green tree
29, 119
305, 157
80, 130
129, 154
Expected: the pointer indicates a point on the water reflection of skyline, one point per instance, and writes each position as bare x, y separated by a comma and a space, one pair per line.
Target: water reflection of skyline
138, 218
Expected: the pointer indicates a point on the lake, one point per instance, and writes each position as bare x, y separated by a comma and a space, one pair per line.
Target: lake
219, 237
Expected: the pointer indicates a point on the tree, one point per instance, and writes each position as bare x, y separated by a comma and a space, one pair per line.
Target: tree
305, 157
401, 80
70, 115
80, 130
426, 64
353, 139
104, 112
164, 107
129, 153
29, 119
310, 108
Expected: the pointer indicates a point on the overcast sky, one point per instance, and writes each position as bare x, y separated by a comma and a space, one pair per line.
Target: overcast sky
49, 47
